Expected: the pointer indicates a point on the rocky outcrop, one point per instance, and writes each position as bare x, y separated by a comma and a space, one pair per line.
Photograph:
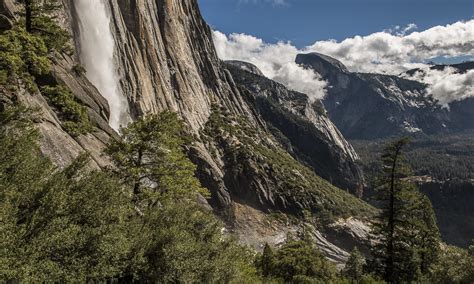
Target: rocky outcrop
336, 241
368, 106
167, 60
301, 125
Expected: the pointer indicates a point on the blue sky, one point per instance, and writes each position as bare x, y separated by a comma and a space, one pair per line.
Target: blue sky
305, 21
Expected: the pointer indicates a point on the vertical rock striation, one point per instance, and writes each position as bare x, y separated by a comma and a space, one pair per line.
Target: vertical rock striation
165, 60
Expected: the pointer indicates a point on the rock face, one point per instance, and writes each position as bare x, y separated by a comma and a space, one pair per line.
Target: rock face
166, 61
301, 125
369, 106
56, 143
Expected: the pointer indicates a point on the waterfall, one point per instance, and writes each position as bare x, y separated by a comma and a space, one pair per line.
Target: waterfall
97, 47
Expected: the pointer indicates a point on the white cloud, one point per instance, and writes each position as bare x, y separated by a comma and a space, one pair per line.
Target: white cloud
276, 61
391, 51
385, 52
446, 85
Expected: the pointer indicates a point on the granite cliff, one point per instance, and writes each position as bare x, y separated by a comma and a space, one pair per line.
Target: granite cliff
260, 148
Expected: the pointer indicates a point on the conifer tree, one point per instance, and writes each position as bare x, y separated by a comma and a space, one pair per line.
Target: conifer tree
266, 261
354, 269
407, 238
150, 158
389, 193
56, 225
40, 18
302, 262
176, 240
427, 236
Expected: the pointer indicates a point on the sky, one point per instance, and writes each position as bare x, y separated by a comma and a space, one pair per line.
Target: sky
305, 21
371, 36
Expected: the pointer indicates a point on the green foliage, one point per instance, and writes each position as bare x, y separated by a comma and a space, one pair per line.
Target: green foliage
40, 19
22, 56
150, 158
455, 265
354, 269
178, 240
60, 226
254, 157
79, 70
407, 238
73, 115
182, 243
25, 57
264, 262
443, 157
301, 262
81, 225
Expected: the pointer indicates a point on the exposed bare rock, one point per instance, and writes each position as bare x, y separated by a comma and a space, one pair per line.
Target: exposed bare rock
167, 60
254, 228
56, 143
245, 66
302, 126
371, 106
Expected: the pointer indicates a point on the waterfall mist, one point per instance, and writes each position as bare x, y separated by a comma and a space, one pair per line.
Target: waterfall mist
97, 48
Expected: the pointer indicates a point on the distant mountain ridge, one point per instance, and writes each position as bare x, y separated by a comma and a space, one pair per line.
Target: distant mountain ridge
372, 106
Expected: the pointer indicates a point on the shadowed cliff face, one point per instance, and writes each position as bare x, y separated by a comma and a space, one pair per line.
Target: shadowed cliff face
166, 60
367, 106
56, 143
302, 126
371, 106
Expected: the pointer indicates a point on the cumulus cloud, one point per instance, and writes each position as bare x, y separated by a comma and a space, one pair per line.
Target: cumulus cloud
276, 61
402, 31
394, 52
391, 51
446, 85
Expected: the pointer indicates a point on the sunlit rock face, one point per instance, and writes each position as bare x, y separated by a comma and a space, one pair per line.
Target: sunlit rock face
167, 60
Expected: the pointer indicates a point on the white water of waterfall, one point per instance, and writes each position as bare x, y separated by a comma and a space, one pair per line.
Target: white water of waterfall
97, 47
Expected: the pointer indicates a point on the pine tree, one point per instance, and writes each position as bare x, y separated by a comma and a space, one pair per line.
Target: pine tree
454, 266
40, 18
57, 225
427, 236
266, 261
391, 187
150, 158
176, 240
354, 269
28, 5
302, 262
406, 235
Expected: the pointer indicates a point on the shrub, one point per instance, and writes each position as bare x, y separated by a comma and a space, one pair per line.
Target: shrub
73, 115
